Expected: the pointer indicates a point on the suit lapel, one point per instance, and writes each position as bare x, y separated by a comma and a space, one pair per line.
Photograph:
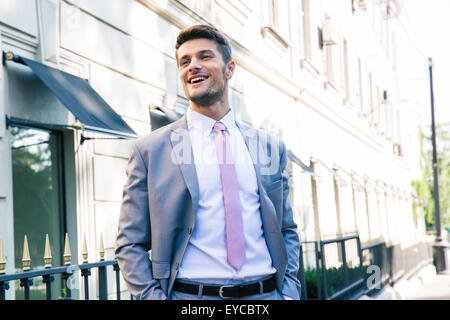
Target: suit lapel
183, 155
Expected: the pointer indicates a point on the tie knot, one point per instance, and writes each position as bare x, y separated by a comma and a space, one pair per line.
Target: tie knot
219, 126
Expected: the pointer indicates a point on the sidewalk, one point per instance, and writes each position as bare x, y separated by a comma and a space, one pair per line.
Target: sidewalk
438, 289
425, 285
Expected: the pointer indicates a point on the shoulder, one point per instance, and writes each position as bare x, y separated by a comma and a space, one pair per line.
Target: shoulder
262, 137
158, 140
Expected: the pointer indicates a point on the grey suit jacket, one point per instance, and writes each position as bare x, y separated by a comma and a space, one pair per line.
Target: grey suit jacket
160, 200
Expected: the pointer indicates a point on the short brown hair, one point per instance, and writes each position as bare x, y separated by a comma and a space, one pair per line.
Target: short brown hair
203, 31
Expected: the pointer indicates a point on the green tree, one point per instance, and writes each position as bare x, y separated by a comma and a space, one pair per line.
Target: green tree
424, 187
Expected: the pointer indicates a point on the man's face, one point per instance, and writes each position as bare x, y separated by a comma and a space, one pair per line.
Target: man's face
202, 71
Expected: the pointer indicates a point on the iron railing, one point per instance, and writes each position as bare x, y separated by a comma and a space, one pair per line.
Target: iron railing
48, 275
341, 281
376, 255
350, 282
68, 271
305, 275
331, 283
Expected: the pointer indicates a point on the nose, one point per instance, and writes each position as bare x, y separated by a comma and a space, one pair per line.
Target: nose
195, 64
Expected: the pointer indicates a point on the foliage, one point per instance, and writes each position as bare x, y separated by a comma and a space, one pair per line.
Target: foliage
424, 187
335, 280
311, 283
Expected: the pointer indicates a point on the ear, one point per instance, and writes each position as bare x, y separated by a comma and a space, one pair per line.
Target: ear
229, 69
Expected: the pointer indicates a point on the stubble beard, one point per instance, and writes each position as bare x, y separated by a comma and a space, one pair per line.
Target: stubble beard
210, 96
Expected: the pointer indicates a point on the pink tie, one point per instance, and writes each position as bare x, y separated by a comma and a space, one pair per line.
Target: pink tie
233, 216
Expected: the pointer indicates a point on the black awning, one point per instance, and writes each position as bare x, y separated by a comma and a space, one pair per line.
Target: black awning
79, 98
161, 116
297, 161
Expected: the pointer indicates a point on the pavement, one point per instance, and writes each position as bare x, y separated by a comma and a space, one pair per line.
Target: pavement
438, 289
424, 285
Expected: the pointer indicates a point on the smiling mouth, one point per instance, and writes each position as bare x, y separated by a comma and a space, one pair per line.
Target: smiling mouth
197, 80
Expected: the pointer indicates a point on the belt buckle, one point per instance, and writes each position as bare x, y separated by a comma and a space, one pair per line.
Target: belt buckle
221, 291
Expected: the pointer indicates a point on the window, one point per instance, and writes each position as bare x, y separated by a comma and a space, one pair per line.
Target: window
275, 14
315, 202
276, 24
387, 115
354, 76
330, 64
383, 113
360, 209
307, 30
328, 216
398, 131
312, 21
377, 113
331, 50
366, 93
372, 211
371, 100
344, 204
360, 86
337, 199
346, 70
39, 204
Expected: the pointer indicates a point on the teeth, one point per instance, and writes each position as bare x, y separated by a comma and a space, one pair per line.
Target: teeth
198, 79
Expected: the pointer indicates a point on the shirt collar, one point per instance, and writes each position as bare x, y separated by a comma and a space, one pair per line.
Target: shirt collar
204, 124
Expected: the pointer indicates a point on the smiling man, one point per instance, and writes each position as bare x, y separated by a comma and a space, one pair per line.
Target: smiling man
205, 67
216, 216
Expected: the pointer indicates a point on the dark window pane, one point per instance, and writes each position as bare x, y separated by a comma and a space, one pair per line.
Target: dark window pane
37, 193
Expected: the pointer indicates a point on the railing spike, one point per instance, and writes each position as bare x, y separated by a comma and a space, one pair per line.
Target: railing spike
101, 249
47, 253
67, 253
2, 258
84, 250
26, 261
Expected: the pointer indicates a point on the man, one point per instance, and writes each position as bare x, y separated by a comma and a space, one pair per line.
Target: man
207, 196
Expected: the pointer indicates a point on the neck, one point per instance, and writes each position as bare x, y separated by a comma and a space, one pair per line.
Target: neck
215, 111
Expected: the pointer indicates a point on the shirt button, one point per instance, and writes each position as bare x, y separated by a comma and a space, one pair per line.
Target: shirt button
189, 230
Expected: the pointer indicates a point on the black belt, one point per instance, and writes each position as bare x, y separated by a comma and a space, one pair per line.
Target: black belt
227, 291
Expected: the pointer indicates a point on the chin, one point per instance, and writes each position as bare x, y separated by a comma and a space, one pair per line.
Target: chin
205, 99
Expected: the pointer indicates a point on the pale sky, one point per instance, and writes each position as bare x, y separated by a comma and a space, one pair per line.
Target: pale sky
429, 23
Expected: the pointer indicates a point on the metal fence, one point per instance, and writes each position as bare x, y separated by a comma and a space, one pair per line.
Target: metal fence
337, 270
376, 261
341, 281
343, 269
47, 275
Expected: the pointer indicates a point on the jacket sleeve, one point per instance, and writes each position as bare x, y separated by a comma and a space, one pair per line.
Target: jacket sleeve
291, 285
134, 234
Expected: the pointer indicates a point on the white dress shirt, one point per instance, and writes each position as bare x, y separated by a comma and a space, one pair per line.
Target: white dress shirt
205, 258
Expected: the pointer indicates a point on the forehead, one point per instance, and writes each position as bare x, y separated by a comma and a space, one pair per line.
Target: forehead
191, 47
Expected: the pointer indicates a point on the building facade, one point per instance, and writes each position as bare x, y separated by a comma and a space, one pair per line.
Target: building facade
328, 77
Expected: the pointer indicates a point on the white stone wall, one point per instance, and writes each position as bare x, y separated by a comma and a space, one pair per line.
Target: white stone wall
284, 83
